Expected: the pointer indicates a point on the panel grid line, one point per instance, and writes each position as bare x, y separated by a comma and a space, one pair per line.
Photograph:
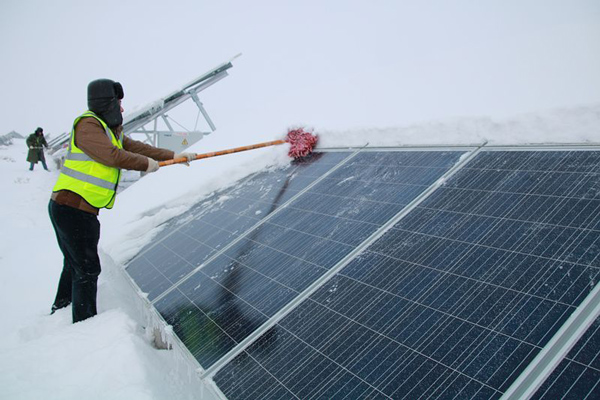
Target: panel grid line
441, 282
501, 249
446, 314
375, 201
287, 228
254, 227
183, 224
212, 199
416, 352
508, 192
357, 356
467, 277
475, 214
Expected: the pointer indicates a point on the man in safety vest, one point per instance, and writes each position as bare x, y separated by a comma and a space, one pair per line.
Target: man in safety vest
88, 181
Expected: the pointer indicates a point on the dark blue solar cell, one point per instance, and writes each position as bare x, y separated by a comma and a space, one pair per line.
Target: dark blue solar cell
570, 381
459, 296
277, 260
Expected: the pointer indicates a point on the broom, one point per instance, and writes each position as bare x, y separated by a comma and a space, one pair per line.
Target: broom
301, 143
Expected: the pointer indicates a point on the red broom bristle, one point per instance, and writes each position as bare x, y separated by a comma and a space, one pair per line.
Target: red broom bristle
301, 142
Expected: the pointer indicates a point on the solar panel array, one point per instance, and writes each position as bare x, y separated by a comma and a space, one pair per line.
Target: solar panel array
386, 274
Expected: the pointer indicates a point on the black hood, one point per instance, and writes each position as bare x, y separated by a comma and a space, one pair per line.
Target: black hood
103, 100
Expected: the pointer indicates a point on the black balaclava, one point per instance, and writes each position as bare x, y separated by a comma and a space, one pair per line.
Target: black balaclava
39, 131
103, 100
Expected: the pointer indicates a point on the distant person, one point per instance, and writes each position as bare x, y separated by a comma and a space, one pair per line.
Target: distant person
88, 182
35, 141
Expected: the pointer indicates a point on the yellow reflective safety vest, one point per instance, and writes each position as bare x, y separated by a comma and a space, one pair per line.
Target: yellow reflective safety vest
95, 182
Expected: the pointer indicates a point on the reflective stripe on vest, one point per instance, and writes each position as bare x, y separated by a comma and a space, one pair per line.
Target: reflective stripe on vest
87, 178
78, 157
95, 182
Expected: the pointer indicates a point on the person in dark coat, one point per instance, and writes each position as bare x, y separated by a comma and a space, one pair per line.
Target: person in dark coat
35, 141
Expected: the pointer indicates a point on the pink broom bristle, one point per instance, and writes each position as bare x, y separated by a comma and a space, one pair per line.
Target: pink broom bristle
301, 142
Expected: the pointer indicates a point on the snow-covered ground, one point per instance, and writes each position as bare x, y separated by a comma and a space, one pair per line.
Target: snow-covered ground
47, 357
111, 355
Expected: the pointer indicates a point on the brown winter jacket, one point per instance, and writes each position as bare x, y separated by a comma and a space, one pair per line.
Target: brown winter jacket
93, 141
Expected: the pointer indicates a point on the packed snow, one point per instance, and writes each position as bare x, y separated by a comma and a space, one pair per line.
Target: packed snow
111, 356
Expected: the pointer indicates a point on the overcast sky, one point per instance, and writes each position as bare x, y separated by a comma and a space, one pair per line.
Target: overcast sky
325, 64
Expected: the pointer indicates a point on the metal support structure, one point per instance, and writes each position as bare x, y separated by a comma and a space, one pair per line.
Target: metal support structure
166, 120
150, 139
203, 111
154, 130
136, 122
150, 114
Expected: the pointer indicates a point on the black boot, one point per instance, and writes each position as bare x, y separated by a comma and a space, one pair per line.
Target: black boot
59, 306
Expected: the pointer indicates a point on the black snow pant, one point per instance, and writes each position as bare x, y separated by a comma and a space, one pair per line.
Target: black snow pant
78, 233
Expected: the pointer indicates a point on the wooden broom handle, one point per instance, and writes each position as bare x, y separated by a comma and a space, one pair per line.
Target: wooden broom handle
221, 153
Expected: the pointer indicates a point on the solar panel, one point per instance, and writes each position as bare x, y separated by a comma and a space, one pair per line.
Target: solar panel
578, 375
192, 238
247, 283
455, 300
